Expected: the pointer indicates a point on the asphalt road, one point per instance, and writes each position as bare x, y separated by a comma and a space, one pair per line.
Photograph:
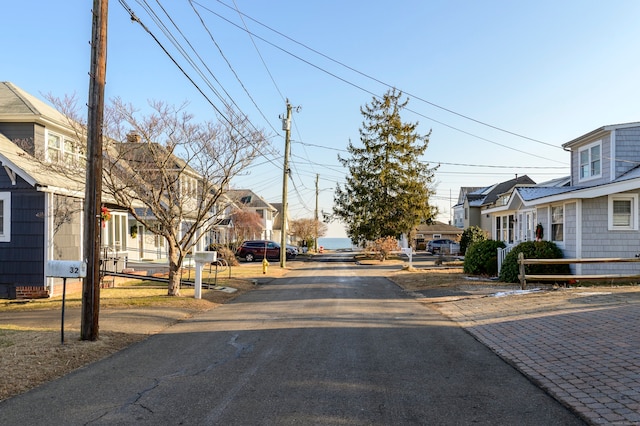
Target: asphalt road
330, 344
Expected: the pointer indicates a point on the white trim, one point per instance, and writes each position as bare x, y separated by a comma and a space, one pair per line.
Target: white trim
49, 251
588, 148
564, 217
11, 174
612, 156
633, 198
5, 197
578, 235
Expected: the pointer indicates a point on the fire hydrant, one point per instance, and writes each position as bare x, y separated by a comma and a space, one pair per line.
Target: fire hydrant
265, 265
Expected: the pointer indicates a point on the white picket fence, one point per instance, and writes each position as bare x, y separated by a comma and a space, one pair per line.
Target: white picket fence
502, 253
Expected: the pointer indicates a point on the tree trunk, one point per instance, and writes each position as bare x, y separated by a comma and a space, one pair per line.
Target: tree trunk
175, 272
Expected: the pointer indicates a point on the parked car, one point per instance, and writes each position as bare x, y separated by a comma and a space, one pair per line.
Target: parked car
438, 246
259, 249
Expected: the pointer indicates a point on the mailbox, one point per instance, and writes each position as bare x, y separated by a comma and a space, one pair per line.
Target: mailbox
205, 256
66, 269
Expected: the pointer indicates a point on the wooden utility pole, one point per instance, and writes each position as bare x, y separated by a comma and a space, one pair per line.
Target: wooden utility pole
286, 126
93, 190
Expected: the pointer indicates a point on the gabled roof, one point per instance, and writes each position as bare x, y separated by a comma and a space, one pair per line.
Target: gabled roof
247, 198
466, 190
506, 186
19, 106
489, 194
138, 152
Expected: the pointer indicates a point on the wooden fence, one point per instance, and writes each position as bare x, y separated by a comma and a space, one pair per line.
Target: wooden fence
566, 277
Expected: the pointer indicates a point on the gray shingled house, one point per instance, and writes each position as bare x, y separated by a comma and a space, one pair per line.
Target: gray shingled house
598, 213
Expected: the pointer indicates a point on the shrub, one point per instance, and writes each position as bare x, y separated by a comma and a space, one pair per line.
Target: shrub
225, 253
482, 258
532, 250
382, 247
471, 235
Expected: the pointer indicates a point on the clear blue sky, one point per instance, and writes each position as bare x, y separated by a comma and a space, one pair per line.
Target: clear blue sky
547, 70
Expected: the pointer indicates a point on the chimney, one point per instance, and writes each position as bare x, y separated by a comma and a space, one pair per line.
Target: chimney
133, 137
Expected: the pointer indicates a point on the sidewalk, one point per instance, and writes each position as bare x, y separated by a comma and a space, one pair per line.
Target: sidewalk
581, 345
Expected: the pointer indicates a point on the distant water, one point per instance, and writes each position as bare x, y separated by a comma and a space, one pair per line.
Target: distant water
335, 243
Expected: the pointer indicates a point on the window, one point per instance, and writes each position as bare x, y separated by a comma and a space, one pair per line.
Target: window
557, 223
58, 149
622, 212
590, 164
5, 217
54, 147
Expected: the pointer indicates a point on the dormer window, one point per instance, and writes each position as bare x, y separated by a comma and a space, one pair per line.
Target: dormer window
590, 158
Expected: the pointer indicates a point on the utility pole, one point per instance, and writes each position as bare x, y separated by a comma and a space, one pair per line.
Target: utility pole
316, 240
93, 189
286, 126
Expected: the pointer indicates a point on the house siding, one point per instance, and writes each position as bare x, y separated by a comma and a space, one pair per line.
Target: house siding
30, 133
627, 148
570, 231
598, 241
67, 228
22, 259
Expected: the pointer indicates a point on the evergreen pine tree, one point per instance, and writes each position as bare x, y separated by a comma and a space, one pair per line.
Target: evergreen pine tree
388, 183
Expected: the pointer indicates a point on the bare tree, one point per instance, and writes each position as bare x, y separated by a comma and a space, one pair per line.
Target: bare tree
170, 172
246, 224
305, 229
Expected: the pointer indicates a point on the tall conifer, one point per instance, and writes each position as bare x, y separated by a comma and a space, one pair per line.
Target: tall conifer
388, 183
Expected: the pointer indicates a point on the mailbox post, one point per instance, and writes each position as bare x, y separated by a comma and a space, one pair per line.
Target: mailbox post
202, 258
409, 252
65, 269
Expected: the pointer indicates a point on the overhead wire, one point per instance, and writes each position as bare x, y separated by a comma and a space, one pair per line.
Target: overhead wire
155, 18
136, 19
231, 67
372, 93
390, 85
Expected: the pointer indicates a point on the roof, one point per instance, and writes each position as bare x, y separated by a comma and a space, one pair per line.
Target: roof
19, 106
595, 133
503, 187
534, 192
32, 171
140, 152
247, 198
489, 194
439, 227
466, 190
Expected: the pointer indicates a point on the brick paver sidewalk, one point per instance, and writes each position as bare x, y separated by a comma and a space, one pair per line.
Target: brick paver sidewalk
581, 345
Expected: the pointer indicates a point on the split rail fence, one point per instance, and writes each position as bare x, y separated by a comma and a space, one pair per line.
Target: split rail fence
567, 277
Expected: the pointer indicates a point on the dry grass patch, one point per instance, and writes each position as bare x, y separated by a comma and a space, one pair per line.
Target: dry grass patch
32, 356
420, 279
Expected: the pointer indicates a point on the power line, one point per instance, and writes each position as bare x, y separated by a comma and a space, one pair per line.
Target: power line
387, 84
368, 91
